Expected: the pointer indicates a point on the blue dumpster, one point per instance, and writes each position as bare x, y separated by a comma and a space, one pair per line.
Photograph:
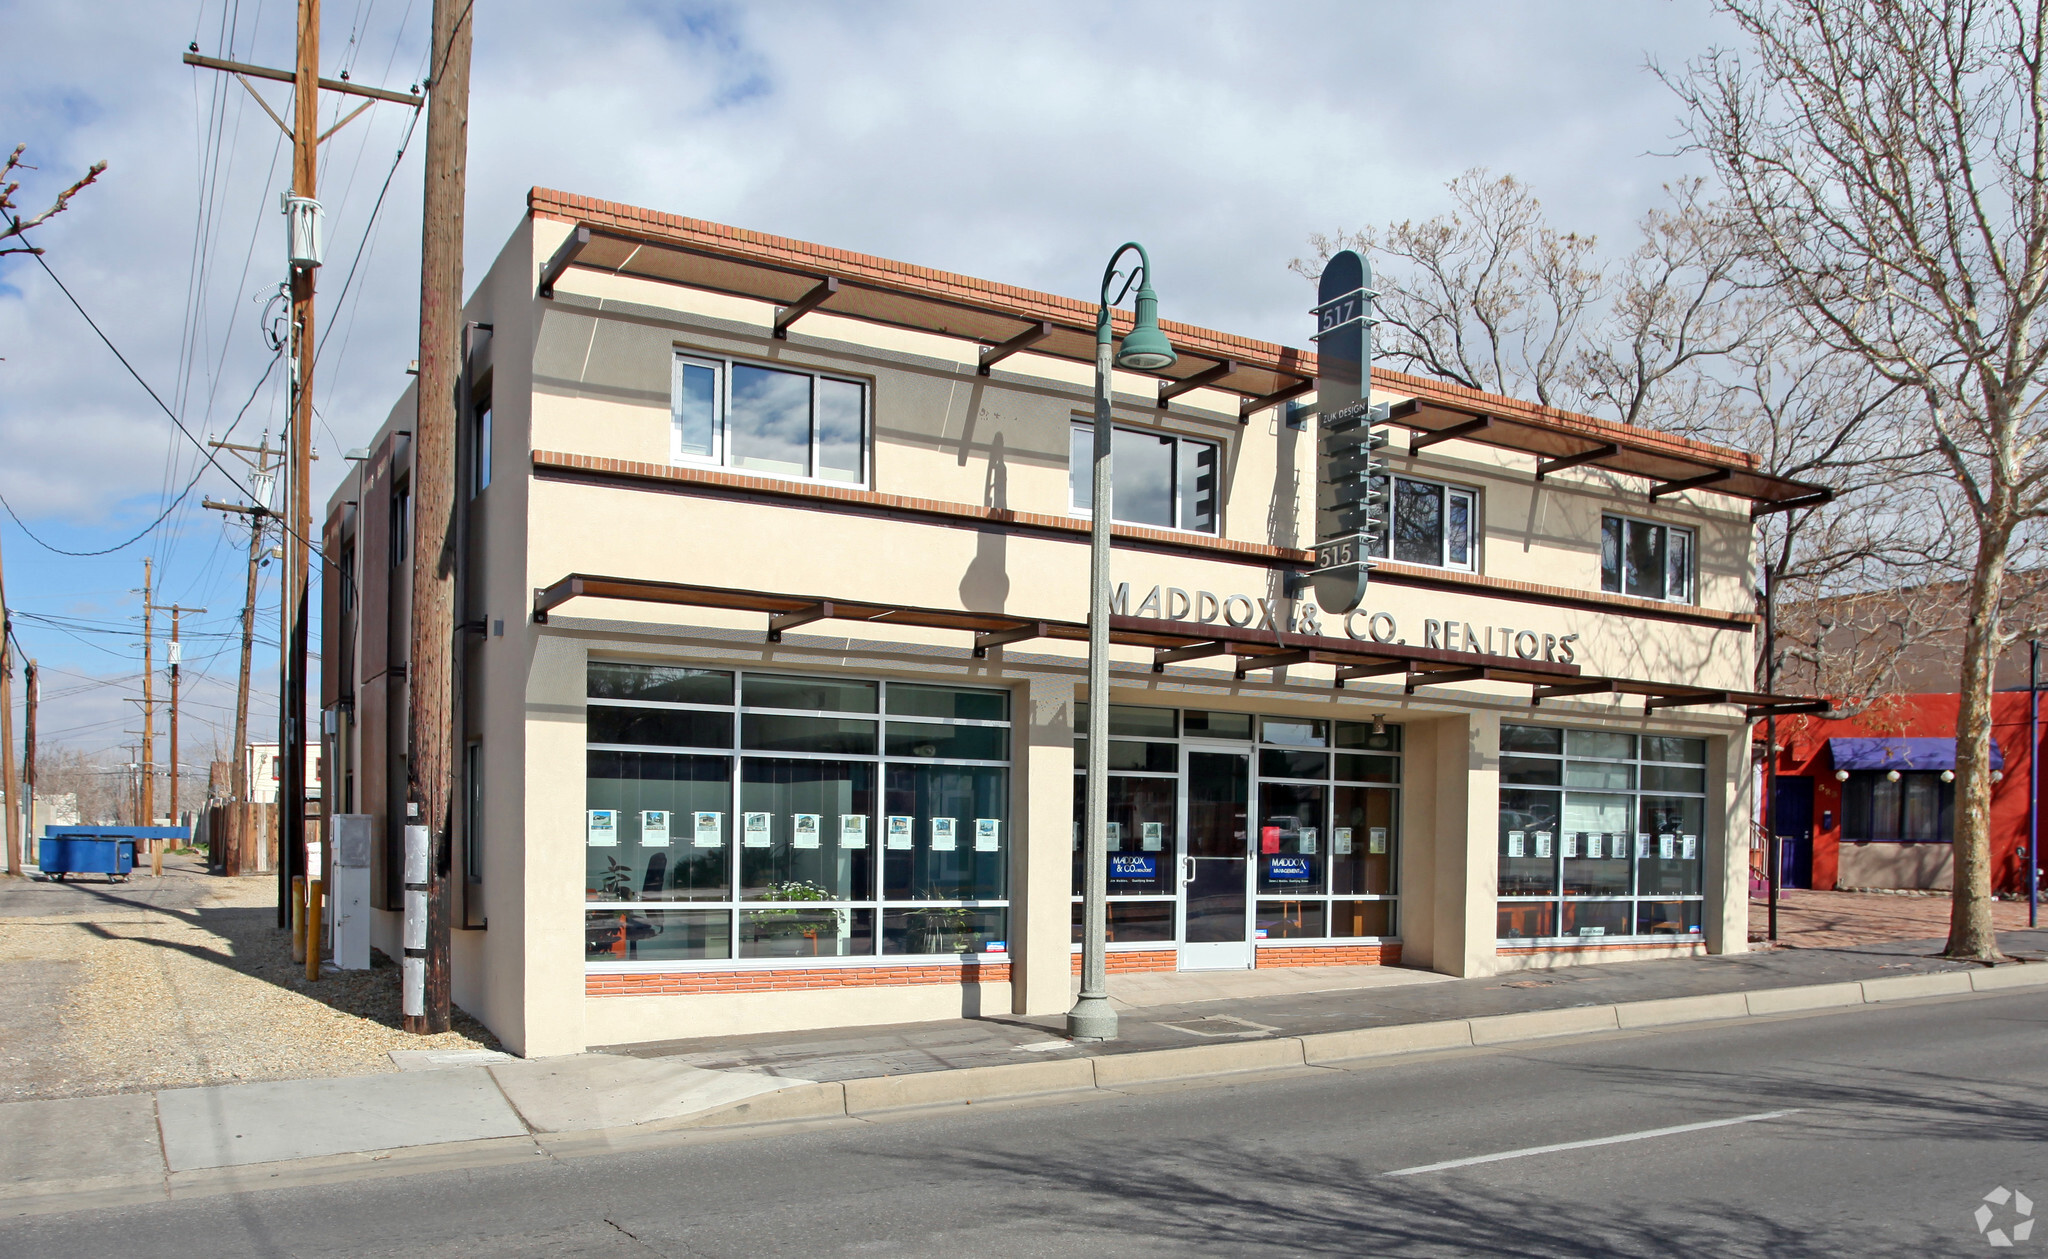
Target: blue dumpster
108, 850
58, 856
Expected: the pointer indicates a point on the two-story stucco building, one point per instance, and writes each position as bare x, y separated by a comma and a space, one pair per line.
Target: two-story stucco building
774, 589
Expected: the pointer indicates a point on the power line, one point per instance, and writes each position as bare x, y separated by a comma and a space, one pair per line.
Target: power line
182, 494
311, 549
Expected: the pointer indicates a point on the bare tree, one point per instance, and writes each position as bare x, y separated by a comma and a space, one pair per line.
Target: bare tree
1488, 296
1888, 163
12, 225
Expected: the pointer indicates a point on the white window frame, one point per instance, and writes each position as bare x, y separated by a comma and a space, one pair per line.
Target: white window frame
1690, 595
721, 401
1472, 526
1074, 508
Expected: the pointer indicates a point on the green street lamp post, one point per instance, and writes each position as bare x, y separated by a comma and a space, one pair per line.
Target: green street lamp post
1145, 348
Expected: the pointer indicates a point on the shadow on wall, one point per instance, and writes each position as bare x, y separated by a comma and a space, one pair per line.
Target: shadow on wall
985, 586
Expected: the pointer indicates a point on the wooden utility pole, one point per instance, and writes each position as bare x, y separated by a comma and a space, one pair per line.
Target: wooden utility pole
176, 659
237, 849
430, 768
297, 517
34, 686
7, 782
291, 786
156, 853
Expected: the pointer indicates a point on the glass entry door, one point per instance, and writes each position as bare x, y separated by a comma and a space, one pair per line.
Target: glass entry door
1215, 918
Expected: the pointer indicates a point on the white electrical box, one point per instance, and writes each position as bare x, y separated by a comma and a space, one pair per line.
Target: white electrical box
348, 901
303, 221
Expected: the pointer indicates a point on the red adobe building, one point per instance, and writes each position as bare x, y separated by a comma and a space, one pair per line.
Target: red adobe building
1869, 801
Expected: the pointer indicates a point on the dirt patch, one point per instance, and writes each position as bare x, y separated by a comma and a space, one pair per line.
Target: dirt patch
163, 999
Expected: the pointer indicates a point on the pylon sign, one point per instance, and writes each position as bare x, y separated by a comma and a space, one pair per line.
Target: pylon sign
1350, 471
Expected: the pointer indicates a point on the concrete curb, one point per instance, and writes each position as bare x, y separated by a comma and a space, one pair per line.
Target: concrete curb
849, 1100
1323, 1049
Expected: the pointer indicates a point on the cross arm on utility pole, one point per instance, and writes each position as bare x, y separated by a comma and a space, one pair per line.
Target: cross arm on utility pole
193, 58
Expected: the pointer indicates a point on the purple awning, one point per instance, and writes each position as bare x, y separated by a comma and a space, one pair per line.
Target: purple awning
1901, 754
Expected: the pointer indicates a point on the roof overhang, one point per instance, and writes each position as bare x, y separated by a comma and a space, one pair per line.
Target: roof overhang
800, 278
1172, 642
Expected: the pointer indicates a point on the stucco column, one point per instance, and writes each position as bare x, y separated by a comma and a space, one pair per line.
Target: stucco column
1041, 866
1725, 915
1448, 869
548, 885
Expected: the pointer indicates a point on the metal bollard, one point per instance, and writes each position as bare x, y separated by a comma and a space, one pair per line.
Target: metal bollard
298, 918
313, 889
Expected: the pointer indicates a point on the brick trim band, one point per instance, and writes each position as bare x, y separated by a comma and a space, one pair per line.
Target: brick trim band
685, 983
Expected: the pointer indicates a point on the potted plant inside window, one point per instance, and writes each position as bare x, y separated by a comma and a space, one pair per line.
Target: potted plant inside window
941, 929
795, 924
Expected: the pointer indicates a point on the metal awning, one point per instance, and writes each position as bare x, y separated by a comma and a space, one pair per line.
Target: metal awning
1559, 440
799, 278
1173, 642
1901, 753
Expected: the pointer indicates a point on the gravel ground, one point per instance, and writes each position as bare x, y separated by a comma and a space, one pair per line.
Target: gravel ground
206, 995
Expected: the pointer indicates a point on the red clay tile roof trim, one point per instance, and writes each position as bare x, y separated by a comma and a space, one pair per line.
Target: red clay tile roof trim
1023, 303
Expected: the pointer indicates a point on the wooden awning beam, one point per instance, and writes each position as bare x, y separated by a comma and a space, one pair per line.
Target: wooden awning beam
1603, 686
1792, 504
1545, 467
999, 638
993, 354
1252, 406
802, 616
1444, 676
1171, 389
1193, 651
563, 258
1715, 477
1652, 703
1422, 439
1273, 660
804, 305
1352, 672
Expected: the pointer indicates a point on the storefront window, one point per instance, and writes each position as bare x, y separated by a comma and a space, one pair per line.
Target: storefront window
791, 831
1322, 833
1601, 834
1919, 808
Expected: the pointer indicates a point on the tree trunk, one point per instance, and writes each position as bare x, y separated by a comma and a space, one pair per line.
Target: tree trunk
1971, 935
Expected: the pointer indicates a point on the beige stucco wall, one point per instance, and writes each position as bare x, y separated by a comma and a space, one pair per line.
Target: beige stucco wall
588, 373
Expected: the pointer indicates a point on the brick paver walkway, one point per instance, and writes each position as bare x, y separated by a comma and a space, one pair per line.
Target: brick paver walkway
1826, 920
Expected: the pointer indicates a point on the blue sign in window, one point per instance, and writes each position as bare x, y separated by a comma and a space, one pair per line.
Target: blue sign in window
1290, 869
1135, 865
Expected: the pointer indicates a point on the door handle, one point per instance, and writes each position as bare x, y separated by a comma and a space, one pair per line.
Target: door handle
1187, 870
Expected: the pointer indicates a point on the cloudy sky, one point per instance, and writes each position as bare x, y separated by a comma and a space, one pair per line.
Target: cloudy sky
1017, 142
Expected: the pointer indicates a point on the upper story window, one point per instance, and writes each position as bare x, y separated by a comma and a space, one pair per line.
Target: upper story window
1433, 524
401, 524
480, 448
777, 420
1650, 561
1163, 480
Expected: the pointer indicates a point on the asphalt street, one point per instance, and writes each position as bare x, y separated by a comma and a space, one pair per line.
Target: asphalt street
1872, 1131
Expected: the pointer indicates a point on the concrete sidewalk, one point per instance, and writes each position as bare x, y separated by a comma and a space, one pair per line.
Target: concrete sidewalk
470, 1108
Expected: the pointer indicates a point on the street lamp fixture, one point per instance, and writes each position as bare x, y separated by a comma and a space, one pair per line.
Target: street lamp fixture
1146, 349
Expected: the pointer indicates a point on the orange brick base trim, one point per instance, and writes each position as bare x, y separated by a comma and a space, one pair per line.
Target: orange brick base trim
1332, 955
1130, 962
686, 982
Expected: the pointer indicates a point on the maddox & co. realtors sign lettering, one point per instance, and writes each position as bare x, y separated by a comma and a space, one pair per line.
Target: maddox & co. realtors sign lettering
1202, 607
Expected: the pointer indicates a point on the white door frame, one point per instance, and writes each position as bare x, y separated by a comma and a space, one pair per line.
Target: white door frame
1213, 955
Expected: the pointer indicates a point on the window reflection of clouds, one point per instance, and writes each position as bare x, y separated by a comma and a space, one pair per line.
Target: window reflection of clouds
696, 410
839, 430
771, 420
